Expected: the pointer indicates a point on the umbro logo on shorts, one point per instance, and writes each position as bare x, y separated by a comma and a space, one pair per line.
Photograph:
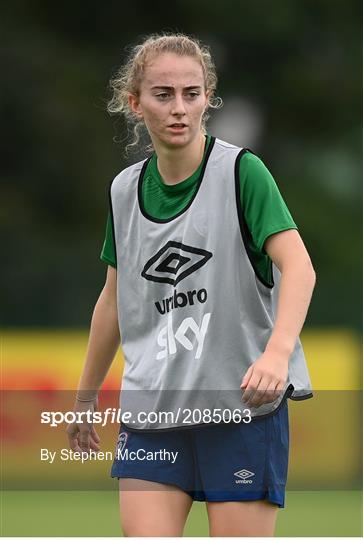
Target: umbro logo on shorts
174, 262
244, 476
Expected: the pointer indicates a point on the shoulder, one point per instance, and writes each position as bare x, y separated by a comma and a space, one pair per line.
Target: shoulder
243, 154
253, 171
225, 144
248, 166
252, 160
128, 175
223, 153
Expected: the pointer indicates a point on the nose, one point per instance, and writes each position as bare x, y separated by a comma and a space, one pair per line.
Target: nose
178, 108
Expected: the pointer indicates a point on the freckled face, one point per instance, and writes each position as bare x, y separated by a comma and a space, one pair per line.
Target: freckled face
172, 99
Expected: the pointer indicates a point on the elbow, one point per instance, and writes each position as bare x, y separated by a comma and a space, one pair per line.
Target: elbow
311, 272
303, 267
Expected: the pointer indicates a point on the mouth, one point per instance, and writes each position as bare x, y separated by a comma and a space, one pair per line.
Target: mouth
177, 125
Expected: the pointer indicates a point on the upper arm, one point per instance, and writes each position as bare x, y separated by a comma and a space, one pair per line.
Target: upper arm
285, 247
108, 253
263, 206
110, 287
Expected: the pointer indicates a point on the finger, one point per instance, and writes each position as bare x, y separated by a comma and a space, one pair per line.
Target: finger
94, 434
84, 440
93, 445
72, 432
247, 377
94, 440
270, 394
251, 387
258, 397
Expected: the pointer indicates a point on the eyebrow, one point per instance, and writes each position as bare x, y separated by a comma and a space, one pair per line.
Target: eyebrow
172, 88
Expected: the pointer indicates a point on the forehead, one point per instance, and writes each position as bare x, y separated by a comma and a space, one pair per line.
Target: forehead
169, 69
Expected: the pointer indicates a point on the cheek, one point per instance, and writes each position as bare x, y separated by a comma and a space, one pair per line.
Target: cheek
200, 107
198, 112
154, 114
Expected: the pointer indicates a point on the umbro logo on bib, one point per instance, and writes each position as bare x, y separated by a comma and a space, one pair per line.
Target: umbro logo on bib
174, 262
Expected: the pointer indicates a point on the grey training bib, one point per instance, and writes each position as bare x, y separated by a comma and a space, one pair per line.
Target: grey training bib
193, 313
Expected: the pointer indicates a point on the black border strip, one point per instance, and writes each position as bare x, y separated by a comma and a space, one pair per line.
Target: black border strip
199, 182
301, 398
287, 395
245, 232
111, 214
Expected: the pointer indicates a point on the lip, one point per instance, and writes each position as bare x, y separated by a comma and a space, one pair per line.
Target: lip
177, 128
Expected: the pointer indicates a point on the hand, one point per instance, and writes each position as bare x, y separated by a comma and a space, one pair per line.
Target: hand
265, 379
82, 436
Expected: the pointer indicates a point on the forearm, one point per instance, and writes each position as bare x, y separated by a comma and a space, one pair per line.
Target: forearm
296, 288
104, 340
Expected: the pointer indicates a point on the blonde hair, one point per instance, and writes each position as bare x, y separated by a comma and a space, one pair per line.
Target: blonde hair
129, 76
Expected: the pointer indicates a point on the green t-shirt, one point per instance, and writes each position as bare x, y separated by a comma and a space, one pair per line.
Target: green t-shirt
264, 209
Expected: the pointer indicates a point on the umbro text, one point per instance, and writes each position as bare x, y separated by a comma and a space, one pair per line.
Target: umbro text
180, 299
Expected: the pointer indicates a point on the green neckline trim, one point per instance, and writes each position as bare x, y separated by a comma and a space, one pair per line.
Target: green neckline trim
184, 185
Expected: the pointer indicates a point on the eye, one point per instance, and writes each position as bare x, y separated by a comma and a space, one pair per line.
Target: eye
162, 96
193, 94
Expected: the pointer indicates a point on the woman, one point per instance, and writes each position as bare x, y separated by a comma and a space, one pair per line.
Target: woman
208, 285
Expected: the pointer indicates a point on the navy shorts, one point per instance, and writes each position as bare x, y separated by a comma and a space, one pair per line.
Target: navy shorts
216, 462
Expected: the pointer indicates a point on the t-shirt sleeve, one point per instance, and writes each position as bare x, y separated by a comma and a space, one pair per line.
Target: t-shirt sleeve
265, 210
108, 253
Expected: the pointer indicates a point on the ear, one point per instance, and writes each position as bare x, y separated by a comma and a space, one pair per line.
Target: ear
135, 106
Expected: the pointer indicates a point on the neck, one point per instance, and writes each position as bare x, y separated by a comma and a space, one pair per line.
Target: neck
177, 164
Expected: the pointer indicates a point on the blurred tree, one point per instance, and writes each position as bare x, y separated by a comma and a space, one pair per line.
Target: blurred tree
299, 63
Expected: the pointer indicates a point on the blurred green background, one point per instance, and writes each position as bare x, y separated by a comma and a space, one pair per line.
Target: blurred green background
290, 77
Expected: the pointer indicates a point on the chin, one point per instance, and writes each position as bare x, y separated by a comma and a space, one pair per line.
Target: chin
177, 141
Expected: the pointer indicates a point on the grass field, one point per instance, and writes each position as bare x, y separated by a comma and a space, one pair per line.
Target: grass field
51, 513
321, 451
